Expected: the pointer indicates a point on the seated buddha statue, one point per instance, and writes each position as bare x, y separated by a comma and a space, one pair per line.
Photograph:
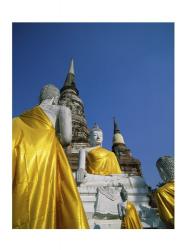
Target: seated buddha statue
96, 160
164, 195
127, 213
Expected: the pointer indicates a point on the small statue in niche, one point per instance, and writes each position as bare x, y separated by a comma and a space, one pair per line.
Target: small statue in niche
127, 213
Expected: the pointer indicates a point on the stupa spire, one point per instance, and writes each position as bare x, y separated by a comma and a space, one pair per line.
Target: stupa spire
71, 67
127, 162
70, 79
117, 137
116, 127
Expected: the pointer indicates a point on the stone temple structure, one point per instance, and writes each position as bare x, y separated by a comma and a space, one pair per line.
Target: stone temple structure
126, 161
101, 194
70, 98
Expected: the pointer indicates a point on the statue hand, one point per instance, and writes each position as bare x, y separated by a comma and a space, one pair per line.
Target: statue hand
80, 175
65, 125
65, 109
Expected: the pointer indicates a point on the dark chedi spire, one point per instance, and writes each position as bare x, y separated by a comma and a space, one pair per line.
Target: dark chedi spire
117, 137
70, 79
69, 97
116, 127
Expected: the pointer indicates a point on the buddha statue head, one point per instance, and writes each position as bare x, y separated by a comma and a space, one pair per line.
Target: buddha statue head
95, 136
49, 92
123, 194
165, 166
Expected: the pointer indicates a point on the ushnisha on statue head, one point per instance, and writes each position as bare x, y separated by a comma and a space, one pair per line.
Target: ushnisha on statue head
165, 166
95, 136
49, 92
123, 194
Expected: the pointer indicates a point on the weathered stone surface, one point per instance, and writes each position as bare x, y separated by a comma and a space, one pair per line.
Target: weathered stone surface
79, 125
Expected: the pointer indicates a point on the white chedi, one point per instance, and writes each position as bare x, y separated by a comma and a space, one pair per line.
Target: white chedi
118, 138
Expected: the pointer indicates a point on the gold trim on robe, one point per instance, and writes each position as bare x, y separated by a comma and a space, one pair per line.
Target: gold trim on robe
165, 202
45, 194
131, 219
101, 161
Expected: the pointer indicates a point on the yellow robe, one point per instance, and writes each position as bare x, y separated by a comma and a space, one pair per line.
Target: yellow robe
131, 219
101, 161
165, 202
44, 190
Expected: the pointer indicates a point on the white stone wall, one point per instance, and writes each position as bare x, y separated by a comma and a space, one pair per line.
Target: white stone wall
137, 193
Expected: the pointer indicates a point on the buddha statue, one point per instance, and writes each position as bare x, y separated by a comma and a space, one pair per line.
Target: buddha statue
164, 195
127, 213
60, 116
96, 160
42, 177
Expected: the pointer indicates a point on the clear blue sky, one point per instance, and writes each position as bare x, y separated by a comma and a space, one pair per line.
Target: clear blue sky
124, 70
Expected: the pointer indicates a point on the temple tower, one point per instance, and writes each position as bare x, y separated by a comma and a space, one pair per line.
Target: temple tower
127, 162
69, 96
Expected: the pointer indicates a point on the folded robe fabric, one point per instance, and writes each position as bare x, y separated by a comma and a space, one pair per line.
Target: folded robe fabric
131, 218
101, 161
165, 202
45, 194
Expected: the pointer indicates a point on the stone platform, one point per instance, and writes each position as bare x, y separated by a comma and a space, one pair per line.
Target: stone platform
101, 194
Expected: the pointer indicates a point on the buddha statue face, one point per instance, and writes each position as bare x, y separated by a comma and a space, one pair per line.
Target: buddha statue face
165, 166
49, 91
96, 136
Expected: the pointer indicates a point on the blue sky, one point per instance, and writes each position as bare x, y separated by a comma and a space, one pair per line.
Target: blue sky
124, 70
